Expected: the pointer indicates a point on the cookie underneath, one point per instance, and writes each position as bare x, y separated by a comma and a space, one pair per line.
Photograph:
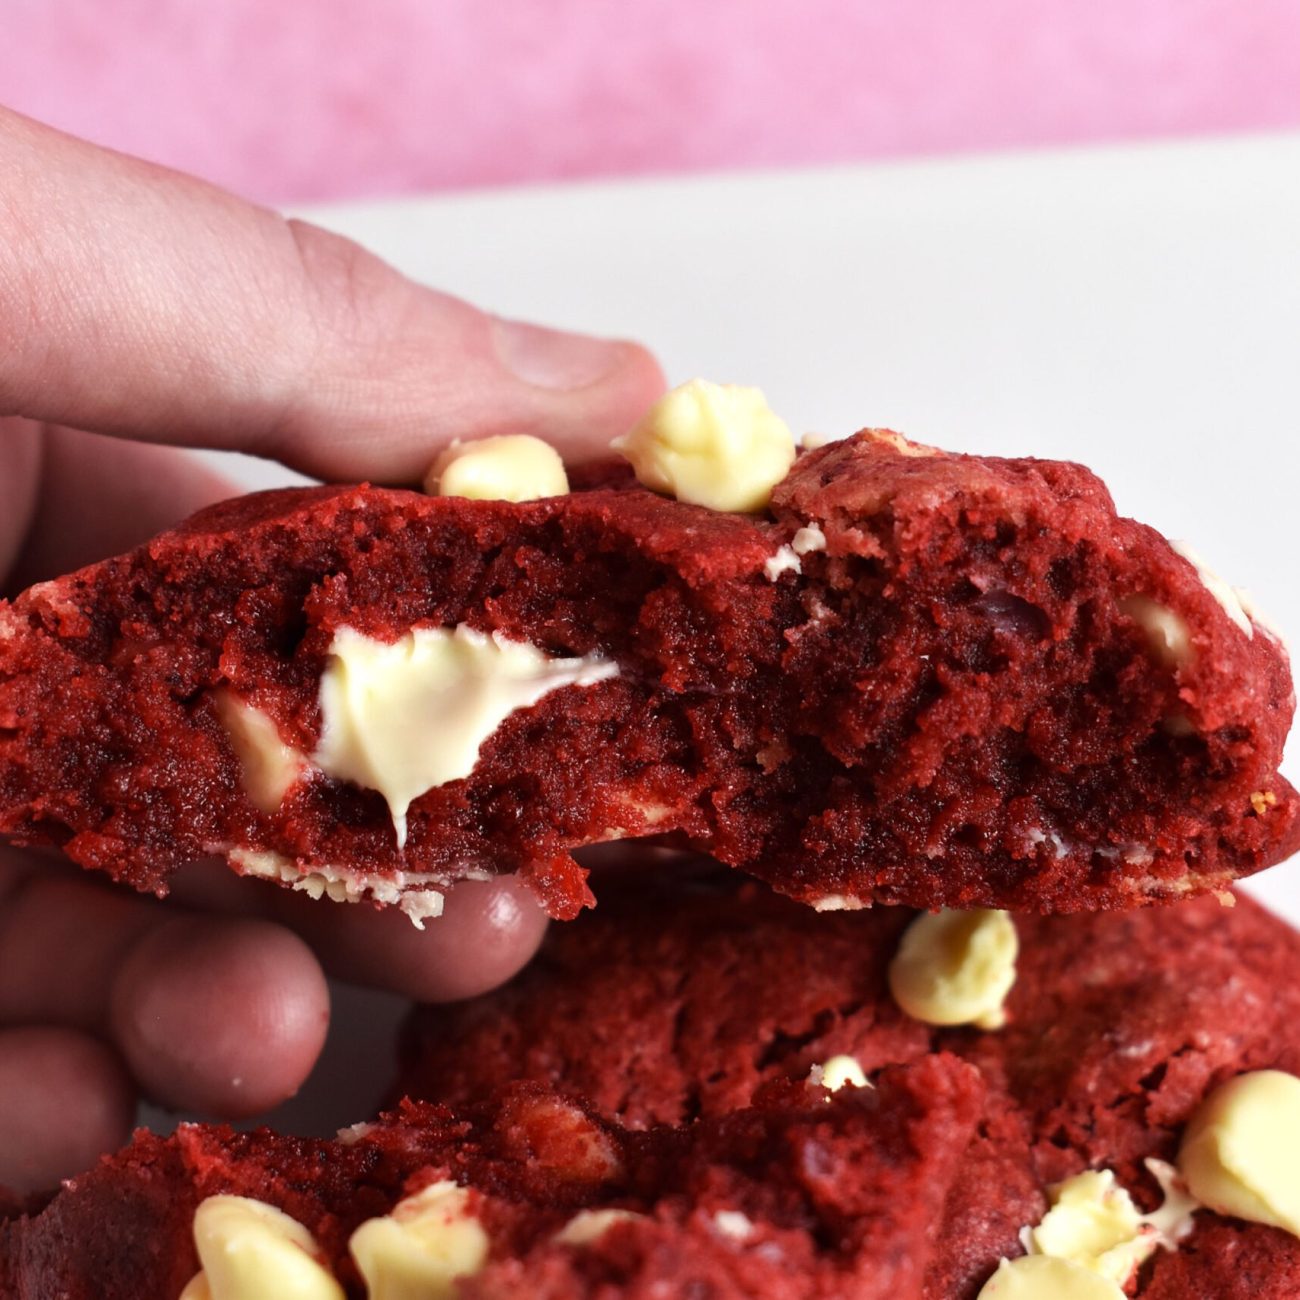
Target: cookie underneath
798, 1196
656, 1061
679, 1001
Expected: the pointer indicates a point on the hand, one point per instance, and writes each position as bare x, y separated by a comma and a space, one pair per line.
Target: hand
142, 304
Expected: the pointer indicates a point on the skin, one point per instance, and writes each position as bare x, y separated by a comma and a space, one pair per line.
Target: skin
144, 311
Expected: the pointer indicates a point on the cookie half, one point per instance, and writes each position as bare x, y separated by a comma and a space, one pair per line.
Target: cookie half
915, 678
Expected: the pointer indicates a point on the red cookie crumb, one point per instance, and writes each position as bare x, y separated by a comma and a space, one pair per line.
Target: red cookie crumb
975, 685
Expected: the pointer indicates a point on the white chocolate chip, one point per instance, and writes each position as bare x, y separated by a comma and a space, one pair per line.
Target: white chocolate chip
1241, 1151
590, 1225
1215, 585
1043, 1277
956, 968
1165, 631
784, 561
837, 1071
1094, 1223
715, 445
421, 905
353, 1134
838, 903
419, 1250
268, 767
733, 1224
808, 538
405, 716
252, 1251
510, 467
1094, 1228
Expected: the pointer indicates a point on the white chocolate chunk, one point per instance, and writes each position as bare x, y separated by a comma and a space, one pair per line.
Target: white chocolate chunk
1093, 1231
510, 467
1094, 1223
421, 905
836, 1071
252, 1251
419, 1250
590, 1225
808, 538
1215, 585
1165, 631
1043, 1277
715, 445
956, 968
784, 561
406, 716
838, 903
1241, 1151
268, 767
734, 1224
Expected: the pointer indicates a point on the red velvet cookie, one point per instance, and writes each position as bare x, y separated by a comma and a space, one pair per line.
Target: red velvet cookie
675, 1002
801, 1195
921, 678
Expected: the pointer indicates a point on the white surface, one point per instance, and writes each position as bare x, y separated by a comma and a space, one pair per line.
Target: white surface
1137, 309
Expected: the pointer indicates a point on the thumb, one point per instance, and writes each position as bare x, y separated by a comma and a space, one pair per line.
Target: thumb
146, 303
400, 369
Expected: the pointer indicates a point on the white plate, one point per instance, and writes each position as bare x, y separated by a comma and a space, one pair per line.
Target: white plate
1136, 308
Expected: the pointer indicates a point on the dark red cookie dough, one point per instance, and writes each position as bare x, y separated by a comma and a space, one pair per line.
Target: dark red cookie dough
953, 702
671, 1003
840, 1195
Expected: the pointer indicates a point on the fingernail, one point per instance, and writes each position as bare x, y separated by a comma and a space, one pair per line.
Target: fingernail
552, 359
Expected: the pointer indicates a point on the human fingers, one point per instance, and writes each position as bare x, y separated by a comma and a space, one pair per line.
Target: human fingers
220, 1014
488, 931
64, 1100
97, 496
20, 471
138, 301
187, 993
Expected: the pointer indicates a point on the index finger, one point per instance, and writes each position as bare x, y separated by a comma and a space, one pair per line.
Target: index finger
141, 302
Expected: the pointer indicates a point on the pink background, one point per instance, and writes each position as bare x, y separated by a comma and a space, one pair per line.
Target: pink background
295, 100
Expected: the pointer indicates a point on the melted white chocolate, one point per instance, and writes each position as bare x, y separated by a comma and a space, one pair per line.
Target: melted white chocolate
405, 716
